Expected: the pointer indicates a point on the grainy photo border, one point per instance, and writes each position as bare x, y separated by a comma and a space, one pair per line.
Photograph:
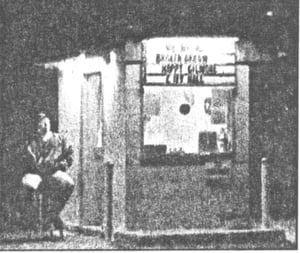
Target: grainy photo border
149, 125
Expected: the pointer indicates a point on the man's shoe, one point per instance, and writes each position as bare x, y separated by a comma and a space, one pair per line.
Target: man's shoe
59, 225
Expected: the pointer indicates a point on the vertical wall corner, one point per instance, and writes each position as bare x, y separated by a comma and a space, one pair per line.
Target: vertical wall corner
133, 51
242, 114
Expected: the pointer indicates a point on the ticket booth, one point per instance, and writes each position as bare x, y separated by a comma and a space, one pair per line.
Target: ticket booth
187, 102
171, 115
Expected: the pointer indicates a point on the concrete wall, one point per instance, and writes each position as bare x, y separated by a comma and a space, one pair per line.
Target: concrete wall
272, 128
242, 115
273, 134
185, 197
114, 142
69, 124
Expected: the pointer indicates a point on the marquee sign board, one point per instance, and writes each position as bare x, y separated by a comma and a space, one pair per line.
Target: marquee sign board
196, 61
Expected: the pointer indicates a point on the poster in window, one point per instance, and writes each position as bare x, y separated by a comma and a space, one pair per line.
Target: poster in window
218, 113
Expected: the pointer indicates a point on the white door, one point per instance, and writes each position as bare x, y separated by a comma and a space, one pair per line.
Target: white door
92, 211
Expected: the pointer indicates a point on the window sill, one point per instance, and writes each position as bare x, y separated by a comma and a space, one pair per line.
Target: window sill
224, 84
184, 159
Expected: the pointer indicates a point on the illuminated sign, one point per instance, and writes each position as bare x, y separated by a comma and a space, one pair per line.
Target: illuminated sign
190, 60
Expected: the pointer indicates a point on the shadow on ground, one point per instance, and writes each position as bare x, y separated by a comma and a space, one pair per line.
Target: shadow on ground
72, 241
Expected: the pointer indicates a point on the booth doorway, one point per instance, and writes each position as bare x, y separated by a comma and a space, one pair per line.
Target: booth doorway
91, 136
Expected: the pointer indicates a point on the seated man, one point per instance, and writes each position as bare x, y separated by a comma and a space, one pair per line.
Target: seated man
48, 158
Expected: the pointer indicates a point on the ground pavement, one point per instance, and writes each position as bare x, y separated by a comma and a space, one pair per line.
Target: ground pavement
78, 241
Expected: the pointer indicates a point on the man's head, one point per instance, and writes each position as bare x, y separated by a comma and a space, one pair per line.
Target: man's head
43, 124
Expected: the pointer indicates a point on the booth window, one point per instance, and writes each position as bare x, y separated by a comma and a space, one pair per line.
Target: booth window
188, 99
187, 122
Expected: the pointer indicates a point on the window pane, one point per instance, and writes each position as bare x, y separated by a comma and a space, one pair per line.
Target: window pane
194, 120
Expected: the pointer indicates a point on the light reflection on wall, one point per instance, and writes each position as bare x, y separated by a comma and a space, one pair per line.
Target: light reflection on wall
70, 81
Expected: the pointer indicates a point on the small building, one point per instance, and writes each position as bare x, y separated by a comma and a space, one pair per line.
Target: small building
172, 117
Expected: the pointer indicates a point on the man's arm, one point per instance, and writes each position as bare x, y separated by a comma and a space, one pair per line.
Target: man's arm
29, 159
65, 160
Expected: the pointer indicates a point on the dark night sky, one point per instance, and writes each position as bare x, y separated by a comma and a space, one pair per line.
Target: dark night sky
36, 30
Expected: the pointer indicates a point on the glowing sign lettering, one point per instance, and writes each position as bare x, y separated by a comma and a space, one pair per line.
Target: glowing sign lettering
188, 60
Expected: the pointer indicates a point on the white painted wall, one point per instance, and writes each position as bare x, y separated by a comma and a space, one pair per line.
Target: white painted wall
71, 79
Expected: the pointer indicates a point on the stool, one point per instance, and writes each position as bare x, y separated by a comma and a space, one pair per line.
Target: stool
38, 203
41, 203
